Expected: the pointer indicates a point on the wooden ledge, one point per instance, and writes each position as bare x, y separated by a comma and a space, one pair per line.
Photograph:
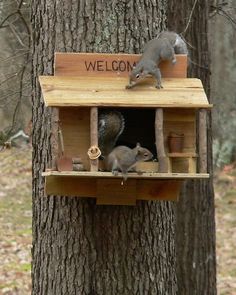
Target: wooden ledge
182, 155
147, 175
111, 190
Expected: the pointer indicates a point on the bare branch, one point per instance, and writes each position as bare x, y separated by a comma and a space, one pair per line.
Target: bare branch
6, 18
17, 96
15, 56
190, 17
17, 36
8, 78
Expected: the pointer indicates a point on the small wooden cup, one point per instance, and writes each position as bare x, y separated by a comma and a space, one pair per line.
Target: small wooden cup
175, 142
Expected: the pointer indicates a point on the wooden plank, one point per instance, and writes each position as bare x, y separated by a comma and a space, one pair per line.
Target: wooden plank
182, 155
107, 65
112, 192
111, 92
192, 167
169, 161
54, 137
94, 136
151, 175
159, 140
167, 190
202, 130
175, 115
180, 165
69, 186
75, 125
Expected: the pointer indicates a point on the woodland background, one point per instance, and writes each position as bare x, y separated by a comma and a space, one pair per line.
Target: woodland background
15, 163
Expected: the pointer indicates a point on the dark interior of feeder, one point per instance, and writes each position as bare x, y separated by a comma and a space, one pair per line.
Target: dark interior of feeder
139, 127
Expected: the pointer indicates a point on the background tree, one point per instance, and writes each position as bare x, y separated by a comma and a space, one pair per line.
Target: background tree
15, 103
223, 80
195, 226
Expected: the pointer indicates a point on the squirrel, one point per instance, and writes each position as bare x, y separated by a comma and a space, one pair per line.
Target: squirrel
111, 124
123, 158
161, 48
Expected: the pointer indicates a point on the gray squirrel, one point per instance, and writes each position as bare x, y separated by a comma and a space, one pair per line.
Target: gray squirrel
164, 47
123, 158
111, 124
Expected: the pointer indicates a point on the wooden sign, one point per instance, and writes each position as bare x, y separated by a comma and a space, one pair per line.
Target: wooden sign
111, 65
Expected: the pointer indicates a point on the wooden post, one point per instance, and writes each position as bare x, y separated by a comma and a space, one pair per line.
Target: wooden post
54, 137
94, 136
163, 163
202, 131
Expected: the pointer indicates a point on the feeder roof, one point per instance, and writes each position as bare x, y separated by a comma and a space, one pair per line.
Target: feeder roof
67, 91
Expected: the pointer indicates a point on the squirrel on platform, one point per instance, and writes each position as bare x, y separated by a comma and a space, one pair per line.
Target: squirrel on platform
111, 124
164, 47
123, 158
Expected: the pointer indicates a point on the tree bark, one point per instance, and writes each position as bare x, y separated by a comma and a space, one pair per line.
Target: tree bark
195, 226
78, 247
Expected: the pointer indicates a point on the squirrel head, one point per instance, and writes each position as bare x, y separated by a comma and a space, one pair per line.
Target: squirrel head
142, 154
137, 74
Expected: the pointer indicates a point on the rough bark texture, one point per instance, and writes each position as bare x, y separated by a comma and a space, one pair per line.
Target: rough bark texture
195, 226
78, 247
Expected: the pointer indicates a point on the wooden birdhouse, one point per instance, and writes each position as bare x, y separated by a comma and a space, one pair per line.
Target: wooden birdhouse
171, 122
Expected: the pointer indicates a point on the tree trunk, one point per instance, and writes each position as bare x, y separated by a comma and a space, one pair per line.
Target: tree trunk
195, 226
78, 247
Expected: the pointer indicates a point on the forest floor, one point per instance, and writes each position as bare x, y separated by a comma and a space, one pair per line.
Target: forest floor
16, 236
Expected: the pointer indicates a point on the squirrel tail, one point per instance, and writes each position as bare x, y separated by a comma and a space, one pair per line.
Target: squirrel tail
178, 42
180, 46
111, 124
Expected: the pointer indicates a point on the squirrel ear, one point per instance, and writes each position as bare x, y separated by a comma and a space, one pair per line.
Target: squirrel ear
138, 148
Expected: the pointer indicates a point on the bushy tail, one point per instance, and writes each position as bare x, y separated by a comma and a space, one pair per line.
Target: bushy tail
179, 44
111, 124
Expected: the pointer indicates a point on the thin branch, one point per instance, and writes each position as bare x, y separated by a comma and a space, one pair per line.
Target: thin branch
12, 22
198, 65
223, 13
190, 17
5, 19
8, 78
11, 94
13, 57
22, 75
17, 36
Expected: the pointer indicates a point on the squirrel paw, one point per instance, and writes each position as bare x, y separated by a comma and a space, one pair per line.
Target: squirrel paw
128, 86
159, 86
174, 61
115, 172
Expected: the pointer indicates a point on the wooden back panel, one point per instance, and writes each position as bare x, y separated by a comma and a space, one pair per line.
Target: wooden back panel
111, 65
181, 122
75, 125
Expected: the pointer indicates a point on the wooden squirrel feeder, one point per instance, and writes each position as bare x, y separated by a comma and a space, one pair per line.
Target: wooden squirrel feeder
85, 82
